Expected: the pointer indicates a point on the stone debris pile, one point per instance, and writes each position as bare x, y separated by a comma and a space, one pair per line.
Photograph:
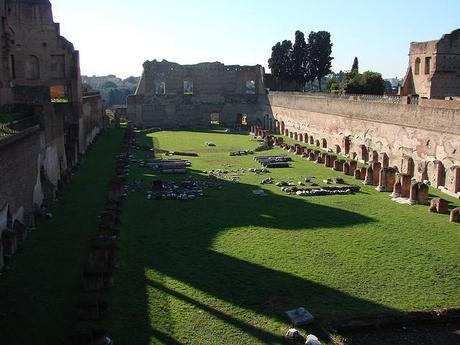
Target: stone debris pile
319, 191
274, 161
169, 166
259, 171
267, 181
241, 153
180, 190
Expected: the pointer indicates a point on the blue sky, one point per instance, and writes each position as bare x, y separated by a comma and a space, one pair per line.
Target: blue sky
118, 36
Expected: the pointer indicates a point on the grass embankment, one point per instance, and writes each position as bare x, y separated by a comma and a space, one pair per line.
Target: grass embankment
39, 291
222, 269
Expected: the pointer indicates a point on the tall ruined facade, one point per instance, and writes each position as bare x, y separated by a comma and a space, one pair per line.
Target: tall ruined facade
434, 68
49, 123
170, 95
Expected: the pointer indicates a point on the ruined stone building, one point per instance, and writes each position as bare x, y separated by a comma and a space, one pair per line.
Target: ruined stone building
46, 122
170, 95
434, 68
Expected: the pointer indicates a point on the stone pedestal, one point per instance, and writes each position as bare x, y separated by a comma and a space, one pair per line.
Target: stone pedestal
413, 197
338, 165
455, 215
369, 179
353, 166
385, 160
311, 156
376, 167
423, 191
396, 189
439, 205
387, 179
346, 168
357, 174
453, 179
374, 156
406, 182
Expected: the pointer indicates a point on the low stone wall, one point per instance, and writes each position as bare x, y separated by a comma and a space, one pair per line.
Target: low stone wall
420, 138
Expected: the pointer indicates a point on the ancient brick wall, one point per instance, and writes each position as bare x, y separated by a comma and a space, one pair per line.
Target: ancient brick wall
170, 95
427, 135
91, 121
20, 183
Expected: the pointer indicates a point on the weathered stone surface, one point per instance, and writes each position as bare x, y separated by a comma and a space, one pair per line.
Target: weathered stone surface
346, 168
439, 205
386, 180
369, 179
423, 192
385, 160
406, 182
353, 166
363, 154
396, 189
346, 142
455, 215
453, 179
376, 167
413, 197
300, 316
357, 174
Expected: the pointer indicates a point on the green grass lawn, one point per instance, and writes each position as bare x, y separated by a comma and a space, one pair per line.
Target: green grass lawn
40, 289
222, 269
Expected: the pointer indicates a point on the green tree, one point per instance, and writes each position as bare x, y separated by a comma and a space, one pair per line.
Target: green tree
280, 62
300, 61
109, 85
355, 66
373, 83
320, 50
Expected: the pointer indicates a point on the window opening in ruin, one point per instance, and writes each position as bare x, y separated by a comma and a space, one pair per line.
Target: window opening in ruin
32, 68
58, 94
250, 87
188, 87
160, 88
242, 119
427, 65
417, 66
215, 119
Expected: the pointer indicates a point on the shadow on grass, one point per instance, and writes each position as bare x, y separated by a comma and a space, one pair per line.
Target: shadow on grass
174, 239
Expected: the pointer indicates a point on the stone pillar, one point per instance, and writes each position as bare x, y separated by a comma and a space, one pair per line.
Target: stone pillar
346, 143
363, 154
453, 179
363, 172
333, 159
346, 168
396, 189
408, 166
439, 178
383, 180
319, 159
374, 156
376, 167
439, 205
353, 166
423, 191
327, 161
413, 197
455, 215
369, 179
406, 181
385, 160
317, 153
357, 174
